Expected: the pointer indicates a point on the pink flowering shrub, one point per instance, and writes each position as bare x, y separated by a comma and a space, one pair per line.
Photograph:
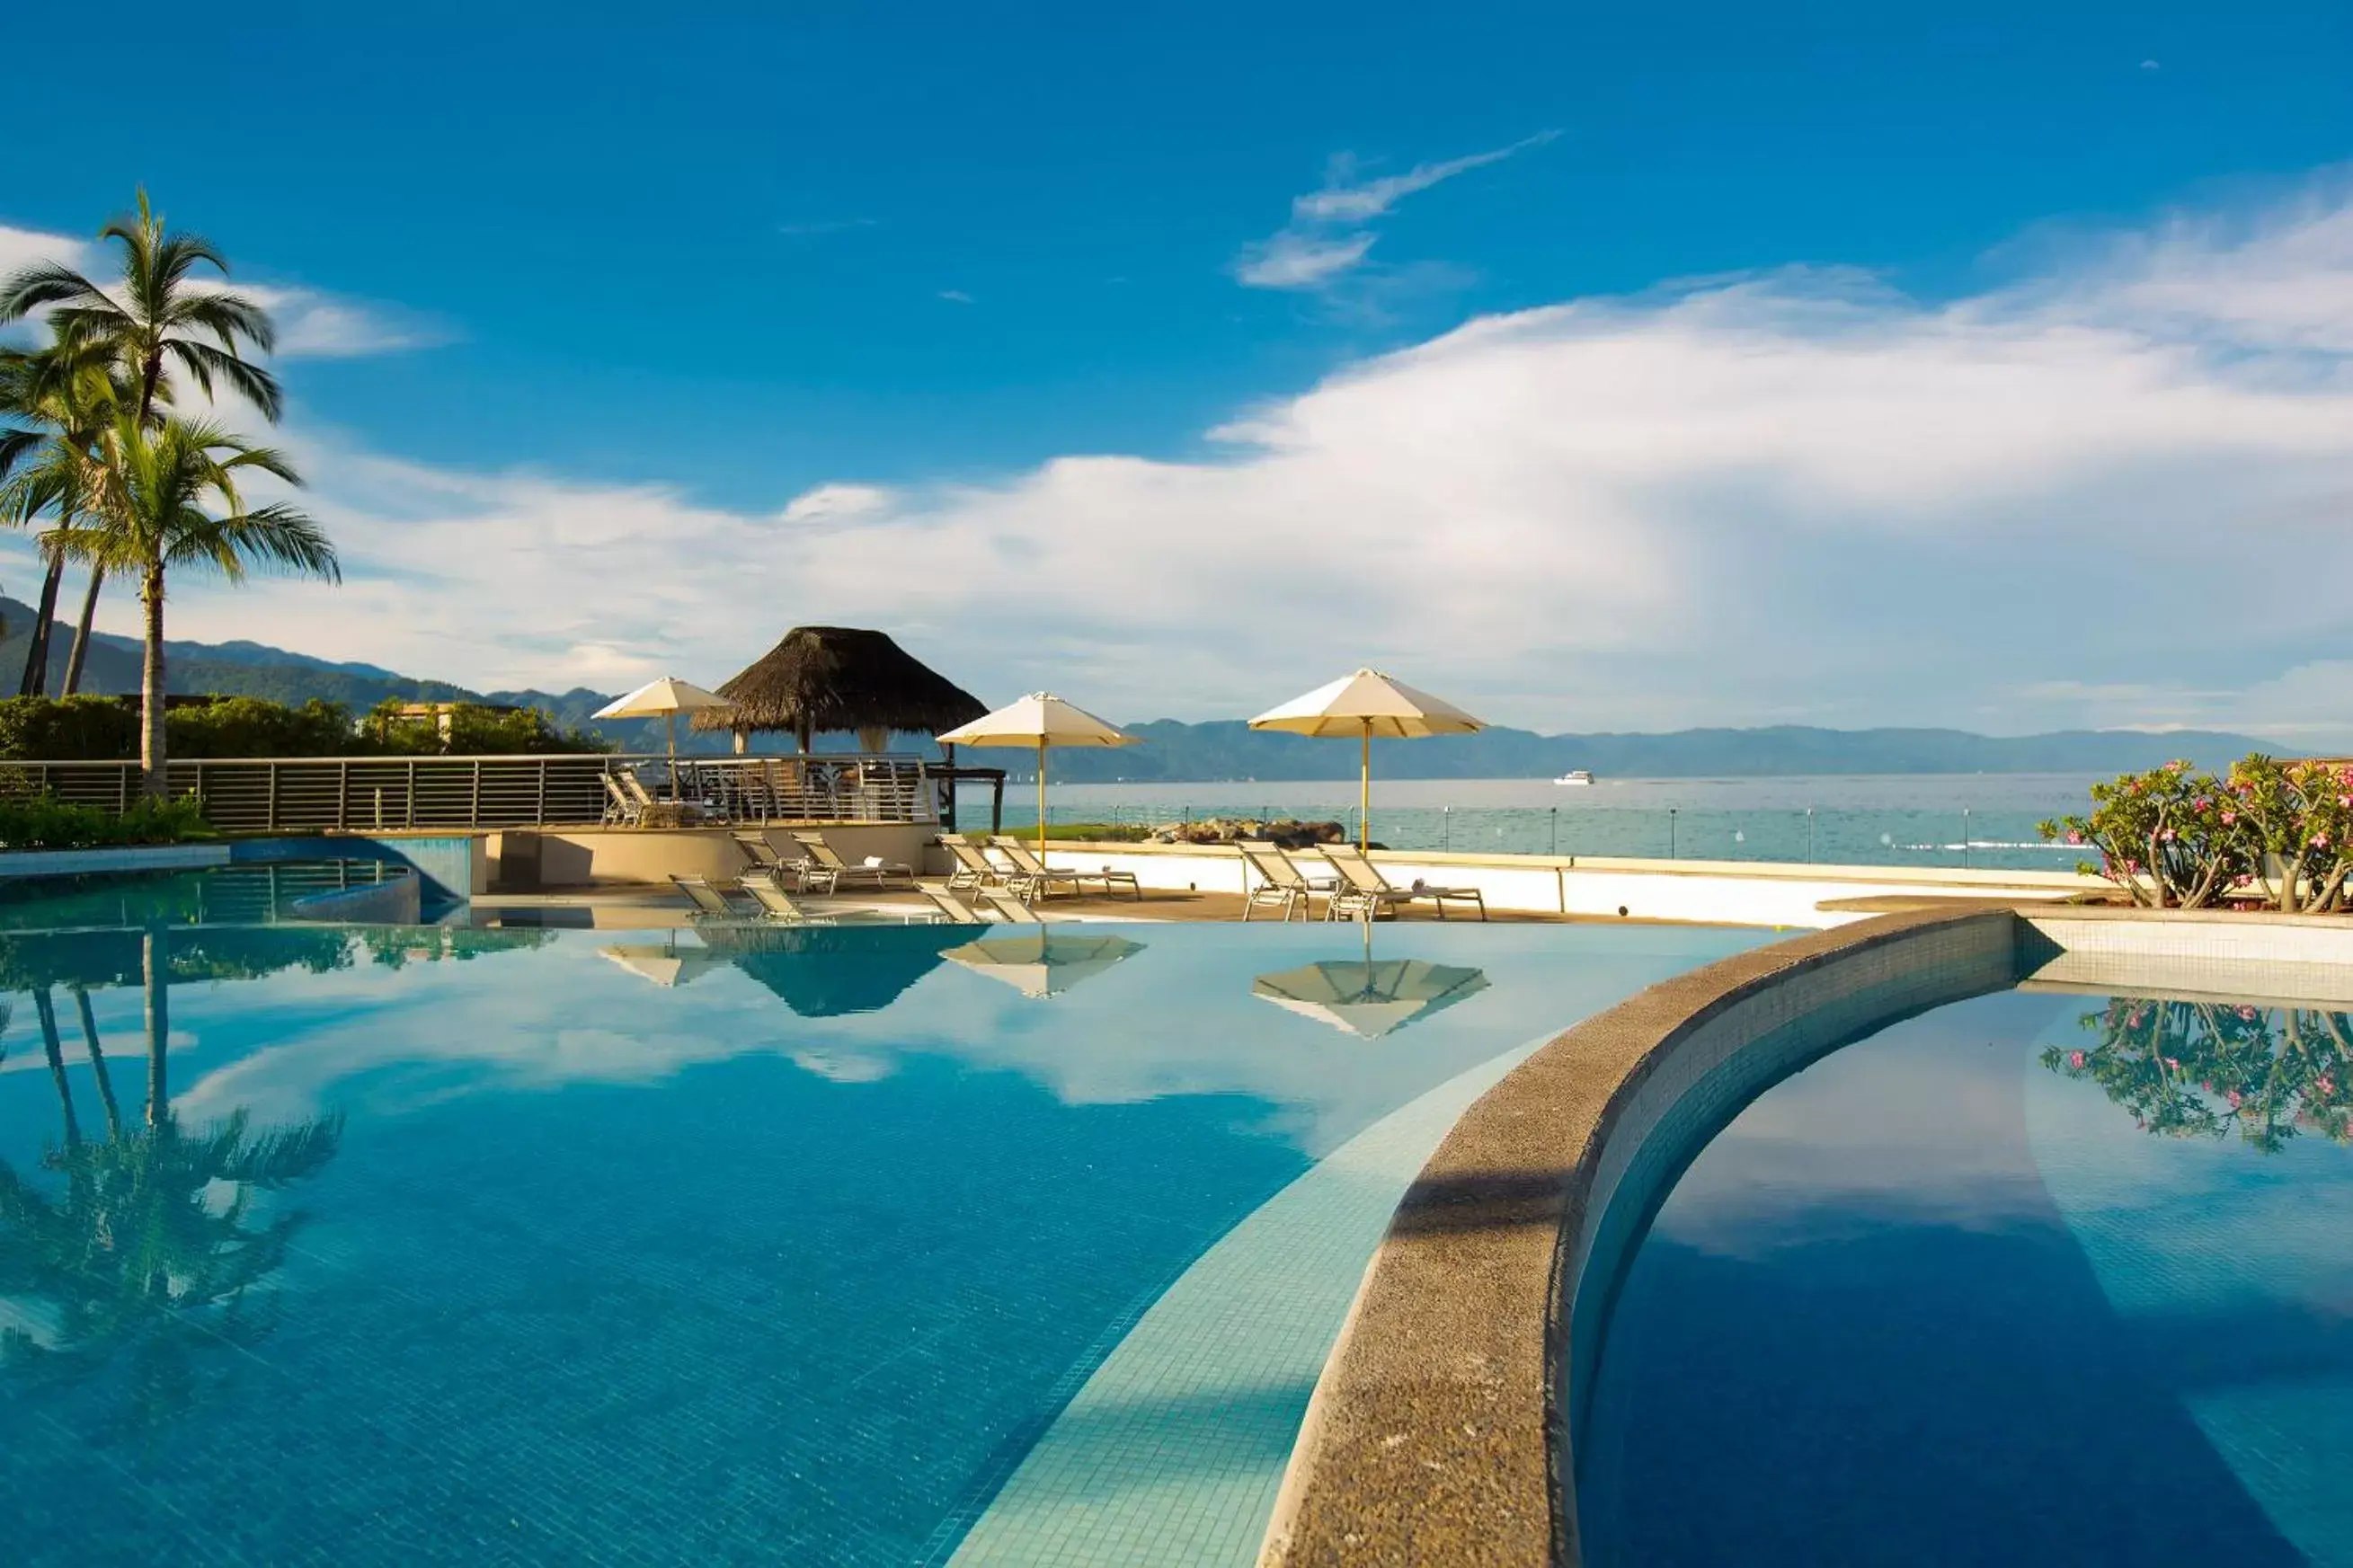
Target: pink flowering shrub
2204, 1070
2161, 836
2172, 837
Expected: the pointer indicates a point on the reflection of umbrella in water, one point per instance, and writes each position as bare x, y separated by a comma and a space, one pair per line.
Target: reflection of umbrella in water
1370, 998
824, 971
666, 965
1042, 963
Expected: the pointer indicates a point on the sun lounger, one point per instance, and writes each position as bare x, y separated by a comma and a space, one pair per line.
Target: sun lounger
619, 807
764, 857
651, 813
777, 904
1009, 908
951, 908
1026, 861
1365, 893
709, 902
827, 870
974, 869
1281, 882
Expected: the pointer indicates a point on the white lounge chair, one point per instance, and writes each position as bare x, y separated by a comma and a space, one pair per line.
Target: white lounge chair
1026, 861
1365, 893
1281, 882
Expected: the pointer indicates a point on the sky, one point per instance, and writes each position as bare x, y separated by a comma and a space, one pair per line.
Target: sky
1598, 367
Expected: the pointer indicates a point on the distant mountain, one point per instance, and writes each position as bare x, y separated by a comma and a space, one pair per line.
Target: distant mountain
1220, 749
1231, 749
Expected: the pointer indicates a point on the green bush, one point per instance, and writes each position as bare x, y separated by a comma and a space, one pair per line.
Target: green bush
44, 822
71, 728
256, 727
474, 730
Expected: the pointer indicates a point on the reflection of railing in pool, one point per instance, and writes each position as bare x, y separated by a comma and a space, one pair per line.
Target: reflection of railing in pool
275, 794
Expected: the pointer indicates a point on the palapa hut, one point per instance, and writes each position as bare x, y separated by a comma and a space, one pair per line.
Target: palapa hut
823, 679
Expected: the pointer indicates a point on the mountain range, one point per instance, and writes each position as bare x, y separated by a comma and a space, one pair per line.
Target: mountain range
1218, 750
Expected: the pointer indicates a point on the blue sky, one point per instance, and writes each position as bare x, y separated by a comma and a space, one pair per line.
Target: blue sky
723, 260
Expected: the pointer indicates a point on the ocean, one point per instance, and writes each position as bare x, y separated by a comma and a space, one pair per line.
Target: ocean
1918, 819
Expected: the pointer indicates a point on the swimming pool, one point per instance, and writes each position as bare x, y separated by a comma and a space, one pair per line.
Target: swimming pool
2033, 1277
859, 1246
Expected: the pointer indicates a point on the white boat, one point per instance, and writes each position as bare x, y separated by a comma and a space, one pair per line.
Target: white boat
1575, 776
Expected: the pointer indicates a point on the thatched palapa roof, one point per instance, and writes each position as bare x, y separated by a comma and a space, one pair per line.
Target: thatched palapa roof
833, 679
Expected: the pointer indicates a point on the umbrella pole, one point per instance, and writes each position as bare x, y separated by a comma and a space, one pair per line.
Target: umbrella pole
1041, 799
670, 728
1365, 793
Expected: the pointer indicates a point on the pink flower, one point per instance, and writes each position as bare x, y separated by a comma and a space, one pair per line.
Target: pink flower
2229, 817
2246, 1014
2234, 1100
2165, 836
2320, 841
2073, 836
2076, 1060
2170, 1065
2326, 1085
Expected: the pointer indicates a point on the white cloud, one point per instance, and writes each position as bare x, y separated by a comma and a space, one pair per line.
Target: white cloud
1326, 236
311, 324
2110, 493
1294, 260
955, 296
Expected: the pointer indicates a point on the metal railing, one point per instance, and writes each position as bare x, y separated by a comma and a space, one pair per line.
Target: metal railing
277, 794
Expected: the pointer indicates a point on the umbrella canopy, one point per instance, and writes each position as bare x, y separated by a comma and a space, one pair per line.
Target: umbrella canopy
1042, 963
666, 964
835, 678
1362, 706
1040, 719
665, 698
1372, 997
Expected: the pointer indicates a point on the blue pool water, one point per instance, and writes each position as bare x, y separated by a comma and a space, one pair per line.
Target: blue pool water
536, 1246
2031, 1278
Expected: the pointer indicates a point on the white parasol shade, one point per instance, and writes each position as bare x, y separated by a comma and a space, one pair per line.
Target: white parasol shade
1040, 719
1042, 963
665, 698
1364, 705
1371, 998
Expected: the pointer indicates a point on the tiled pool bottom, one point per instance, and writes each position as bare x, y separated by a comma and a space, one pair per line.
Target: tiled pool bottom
2035, 1278
864, 1247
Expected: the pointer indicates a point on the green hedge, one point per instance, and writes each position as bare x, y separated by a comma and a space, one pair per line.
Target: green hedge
106, 729
46, 822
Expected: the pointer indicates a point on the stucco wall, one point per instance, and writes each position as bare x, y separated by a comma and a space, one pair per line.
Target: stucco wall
1732, 892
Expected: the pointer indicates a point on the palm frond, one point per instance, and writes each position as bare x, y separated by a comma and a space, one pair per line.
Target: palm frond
48, 283
205, 361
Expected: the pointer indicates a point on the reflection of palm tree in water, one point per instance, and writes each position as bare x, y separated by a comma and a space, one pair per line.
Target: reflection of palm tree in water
156, 1247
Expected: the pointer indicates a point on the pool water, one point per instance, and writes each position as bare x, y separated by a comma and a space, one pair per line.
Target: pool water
859, 1246
2031, 1278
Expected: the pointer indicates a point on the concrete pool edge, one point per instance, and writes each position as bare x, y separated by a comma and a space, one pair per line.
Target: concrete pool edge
1437, 1430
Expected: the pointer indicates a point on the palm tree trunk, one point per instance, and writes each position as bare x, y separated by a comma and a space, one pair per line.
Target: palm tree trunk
57, 1055
81, 633
156, 961
36, 658
152, 759
98, 1066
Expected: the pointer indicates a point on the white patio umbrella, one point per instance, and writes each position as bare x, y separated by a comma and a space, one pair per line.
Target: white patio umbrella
666, 964
1364, 705
1371, 998
665, 698
1042, 964
1040, 719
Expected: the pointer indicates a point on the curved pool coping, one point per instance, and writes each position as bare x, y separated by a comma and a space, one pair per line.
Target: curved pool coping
1442, 1429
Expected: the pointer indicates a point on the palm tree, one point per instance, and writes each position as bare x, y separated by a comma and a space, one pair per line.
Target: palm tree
167, 497
158, 318
57, 402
